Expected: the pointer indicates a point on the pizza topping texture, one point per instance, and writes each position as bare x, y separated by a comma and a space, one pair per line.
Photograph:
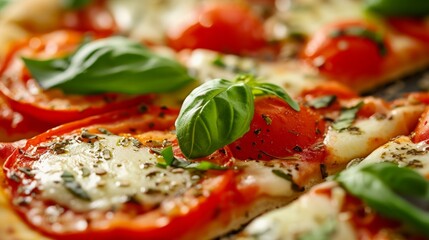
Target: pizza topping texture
188, 119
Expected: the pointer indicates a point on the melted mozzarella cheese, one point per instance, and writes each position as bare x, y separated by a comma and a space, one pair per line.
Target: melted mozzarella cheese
111, 171
309, 16
310, 213
405, 153
368, 134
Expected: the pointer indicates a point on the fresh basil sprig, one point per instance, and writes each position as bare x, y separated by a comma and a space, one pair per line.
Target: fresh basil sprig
219, 112
114, 64
74, 4
395, 192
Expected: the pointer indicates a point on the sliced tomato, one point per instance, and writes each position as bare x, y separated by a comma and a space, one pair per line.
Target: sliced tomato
15, 125
414, 27
52, 106
330, 88
175, 217
92, 18
223, 27
278, 131
421, 133
342, 54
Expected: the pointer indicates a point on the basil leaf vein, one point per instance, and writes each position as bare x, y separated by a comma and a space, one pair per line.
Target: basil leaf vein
114, 64
394, 192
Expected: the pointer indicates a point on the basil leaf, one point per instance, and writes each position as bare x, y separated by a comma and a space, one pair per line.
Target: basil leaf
346, 118
74, 4
168, 155
272, 89
215, 114
322, 102
3, 3
114, 64
357, 31
412, 8
392, 191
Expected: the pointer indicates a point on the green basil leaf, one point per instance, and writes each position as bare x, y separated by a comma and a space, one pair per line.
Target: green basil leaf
74, 4
394, 192
215, 114
3, 3
357, 31
114, 64
412, 8
322, 102
346, 118
168, 155
272, 89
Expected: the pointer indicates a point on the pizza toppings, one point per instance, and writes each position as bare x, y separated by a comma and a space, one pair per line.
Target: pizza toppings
279, 132
347, 117
346, 51
385, 187
220, 111
133, 69
214, 27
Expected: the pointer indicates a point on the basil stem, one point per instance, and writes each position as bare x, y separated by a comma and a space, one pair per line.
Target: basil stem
114, 64
394, 192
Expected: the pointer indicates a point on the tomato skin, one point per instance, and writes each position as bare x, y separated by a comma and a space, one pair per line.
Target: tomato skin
223, 27
421, 133
278, 131
414, 27
344, 58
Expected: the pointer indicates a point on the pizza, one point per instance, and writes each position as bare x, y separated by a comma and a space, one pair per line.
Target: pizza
186, 120
379, 197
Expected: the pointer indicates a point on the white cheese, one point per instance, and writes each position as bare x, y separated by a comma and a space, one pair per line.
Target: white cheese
310, 213
368, 134
110, 171
404, 152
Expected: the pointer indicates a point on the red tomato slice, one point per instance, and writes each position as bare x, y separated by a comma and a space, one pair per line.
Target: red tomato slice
226, 27
421, 133
414, 27
175, 217
278, 131
24, 94
345, 57
92, 18
15, 126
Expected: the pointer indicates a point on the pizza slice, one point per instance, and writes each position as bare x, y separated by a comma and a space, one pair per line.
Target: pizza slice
142, 173
383, 196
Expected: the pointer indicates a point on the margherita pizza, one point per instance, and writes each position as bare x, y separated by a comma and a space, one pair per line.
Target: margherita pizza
186, 120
